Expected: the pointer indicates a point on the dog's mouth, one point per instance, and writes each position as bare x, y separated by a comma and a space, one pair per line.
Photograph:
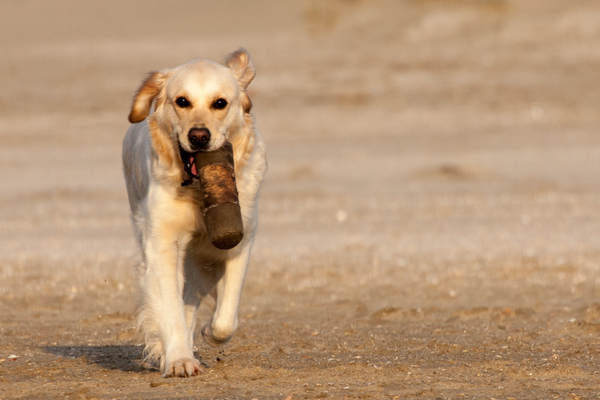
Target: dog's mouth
188, 159
189, 163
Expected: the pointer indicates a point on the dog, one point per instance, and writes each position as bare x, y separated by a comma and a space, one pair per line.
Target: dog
196, 106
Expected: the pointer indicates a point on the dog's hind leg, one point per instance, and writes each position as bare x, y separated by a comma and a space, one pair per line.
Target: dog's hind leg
193, 293
230, 280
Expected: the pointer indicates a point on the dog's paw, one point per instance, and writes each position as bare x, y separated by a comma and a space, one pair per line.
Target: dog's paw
212, 339
183, 368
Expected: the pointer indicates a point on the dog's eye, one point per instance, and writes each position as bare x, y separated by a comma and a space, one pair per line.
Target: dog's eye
182, 102
220, 104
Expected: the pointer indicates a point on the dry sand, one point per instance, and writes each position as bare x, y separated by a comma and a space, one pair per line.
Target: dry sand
430, 224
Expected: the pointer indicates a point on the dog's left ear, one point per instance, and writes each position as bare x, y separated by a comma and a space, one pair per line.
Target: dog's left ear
242, 68
240, 64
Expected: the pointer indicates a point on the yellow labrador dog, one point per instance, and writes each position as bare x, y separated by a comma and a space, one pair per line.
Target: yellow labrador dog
175, 113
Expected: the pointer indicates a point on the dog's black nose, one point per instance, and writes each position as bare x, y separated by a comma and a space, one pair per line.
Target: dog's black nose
198, 137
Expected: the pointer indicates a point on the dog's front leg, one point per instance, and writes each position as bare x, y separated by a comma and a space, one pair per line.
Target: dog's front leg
164, 275
228, 293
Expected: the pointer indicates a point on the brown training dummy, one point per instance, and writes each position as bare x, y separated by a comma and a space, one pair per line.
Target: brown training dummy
222, 213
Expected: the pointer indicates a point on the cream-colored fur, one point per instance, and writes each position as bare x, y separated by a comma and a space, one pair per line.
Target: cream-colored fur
179, 265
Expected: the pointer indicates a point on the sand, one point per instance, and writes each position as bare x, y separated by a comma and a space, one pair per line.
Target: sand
429, 226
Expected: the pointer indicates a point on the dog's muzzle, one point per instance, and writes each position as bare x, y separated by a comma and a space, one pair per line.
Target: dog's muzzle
199, 138
189, 167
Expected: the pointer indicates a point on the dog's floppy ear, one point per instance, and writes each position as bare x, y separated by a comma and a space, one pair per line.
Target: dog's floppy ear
142, 101
241, 66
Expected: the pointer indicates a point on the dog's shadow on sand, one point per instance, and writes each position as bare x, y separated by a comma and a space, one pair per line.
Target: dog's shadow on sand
124, 358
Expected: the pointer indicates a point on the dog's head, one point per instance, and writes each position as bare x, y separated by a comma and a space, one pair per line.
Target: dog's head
197, 106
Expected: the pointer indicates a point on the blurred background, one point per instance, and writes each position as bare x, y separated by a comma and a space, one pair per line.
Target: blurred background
401, 127
423, 153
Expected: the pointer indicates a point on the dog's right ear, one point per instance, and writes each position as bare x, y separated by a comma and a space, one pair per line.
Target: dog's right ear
142, 101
